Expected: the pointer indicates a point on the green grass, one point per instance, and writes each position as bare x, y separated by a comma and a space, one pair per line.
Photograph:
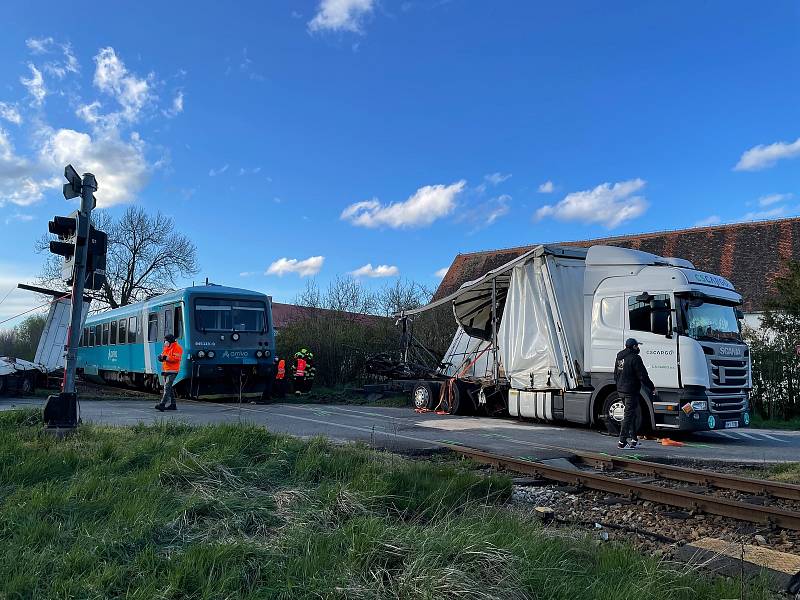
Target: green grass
227, 511
760, 422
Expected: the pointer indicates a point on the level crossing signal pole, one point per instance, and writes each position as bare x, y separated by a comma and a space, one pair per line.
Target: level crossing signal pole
84, 251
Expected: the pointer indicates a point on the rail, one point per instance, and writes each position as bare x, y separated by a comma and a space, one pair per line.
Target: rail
743, 511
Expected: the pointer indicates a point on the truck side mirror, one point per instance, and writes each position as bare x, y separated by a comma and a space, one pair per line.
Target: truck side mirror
739, 314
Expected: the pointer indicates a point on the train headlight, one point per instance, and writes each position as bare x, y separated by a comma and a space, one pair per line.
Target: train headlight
211, 354
201, 354
235, 337
259, 354
266, 353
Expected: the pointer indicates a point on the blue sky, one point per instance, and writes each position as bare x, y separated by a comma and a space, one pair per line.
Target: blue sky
305, 139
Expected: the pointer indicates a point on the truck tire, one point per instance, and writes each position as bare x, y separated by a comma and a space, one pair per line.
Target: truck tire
613, 412
425, 395
456, 400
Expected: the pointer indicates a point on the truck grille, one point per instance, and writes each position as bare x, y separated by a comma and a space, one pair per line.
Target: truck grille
728, 373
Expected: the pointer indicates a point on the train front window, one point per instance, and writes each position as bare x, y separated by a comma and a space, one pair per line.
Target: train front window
216, 314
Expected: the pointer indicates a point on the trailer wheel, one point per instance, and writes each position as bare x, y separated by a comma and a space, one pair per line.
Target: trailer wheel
455, 399
614, 412
425, 395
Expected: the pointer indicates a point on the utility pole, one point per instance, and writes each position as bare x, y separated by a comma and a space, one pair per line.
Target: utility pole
79, 242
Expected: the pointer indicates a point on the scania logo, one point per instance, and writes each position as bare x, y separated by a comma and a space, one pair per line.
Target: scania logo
235, 354
731, 351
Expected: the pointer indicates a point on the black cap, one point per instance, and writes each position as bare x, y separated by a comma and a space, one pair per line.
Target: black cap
169, 337
631, 342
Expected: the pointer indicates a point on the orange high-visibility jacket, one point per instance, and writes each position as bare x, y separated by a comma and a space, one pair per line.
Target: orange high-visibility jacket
172, 355
281, 369
301, 368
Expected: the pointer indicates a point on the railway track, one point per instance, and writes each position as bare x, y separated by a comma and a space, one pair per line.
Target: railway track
646, 490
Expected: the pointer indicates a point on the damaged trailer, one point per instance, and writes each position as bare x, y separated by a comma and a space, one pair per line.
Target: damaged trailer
22, 376
538, 338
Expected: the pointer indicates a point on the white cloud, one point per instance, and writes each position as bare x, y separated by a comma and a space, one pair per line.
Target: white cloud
22, 182
497, 208
708, 221
220, 171
22, 217
304, 268
442, 272
247, 273
761, 215
609, 205
10, 113
764, 156
380, 271
177, 106
428, 204
496, 178
35, 85
253, 171
341, 15
771, 199
119, 165
39, 45
547, 187
112, 77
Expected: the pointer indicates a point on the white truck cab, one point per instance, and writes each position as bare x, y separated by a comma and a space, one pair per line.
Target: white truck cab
687, 323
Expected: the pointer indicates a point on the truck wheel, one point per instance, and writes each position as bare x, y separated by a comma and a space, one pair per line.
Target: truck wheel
456, 400
425, 395
613, 413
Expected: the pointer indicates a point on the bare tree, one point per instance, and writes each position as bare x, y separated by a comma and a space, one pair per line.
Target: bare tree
146, 257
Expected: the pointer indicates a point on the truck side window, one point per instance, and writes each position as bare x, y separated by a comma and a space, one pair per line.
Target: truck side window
152, 327
652, 316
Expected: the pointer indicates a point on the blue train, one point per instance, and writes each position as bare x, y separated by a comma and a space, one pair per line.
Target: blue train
226, 334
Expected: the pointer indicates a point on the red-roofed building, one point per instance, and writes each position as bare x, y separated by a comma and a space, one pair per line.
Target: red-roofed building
750, 255
286, 314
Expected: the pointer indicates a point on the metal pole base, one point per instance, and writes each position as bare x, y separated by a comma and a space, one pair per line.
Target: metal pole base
61, 411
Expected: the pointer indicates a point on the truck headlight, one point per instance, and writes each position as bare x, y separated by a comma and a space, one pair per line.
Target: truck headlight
699, 405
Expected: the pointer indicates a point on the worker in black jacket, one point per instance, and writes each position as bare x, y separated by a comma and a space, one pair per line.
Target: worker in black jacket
630, 375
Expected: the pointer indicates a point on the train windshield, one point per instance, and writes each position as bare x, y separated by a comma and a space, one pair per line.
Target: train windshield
222, 314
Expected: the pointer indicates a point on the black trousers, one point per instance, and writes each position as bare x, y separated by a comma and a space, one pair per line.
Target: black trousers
632, 410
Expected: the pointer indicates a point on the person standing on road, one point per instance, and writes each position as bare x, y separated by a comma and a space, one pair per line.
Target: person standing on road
170, 360
630, 374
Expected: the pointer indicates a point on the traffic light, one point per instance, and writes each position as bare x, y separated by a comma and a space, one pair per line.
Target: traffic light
66, 229
96, 259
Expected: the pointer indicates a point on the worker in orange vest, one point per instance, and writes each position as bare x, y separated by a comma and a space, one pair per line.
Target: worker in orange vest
280, 379
303, 371
170, 359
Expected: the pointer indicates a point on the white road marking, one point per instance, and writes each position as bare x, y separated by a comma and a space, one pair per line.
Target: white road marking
747, 435
727, 435
772, 437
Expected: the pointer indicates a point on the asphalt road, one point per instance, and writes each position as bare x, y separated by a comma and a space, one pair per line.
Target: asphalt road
403, 429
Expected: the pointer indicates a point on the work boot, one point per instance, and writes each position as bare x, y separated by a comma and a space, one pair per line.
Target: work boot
171, 407
621, 445
632, 445
160, 407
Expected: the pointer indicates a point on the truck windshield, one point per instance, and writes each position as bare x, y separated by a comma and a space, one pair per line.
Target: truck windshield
706, 319
222, 314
